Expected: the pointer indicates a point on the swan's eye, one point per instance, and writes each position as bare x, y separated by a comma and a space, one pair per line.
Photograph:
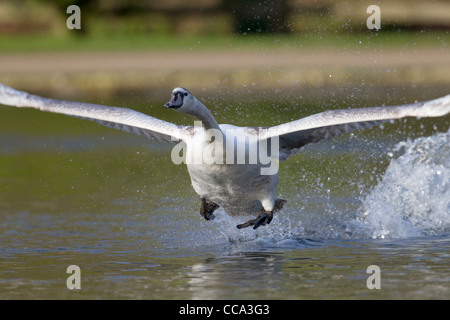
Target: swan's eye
185, 94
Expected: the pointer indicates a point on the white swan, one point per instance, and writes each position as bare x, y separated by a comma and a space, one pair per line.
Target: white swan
238, 188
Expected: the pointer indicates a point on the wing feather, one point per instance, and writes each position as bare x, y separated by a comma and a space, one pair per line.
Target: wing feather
114, 117
333, 123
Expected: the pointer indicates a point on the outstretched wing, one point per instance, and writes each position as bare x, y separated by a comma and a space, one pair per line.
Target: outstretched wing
114, 117
333, 123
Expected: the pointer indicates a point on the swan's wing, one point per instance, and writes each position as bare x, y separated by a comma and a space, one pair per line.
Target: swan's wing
333, 123
118, 118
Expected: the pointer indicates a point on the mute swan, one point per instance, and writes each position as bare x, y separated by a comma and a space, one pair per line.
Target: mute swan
240, 188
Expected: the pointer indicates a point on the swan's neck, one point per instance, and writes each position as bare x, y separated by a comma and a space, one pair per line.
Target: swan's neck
213, 137
200, 112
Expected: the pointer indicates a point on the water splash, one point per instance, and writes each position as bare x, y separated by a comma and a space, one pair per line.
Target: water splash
413, 197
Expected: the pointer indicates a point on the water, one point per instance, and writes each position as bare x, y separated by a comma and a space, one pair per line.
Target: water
72, 193
400, 206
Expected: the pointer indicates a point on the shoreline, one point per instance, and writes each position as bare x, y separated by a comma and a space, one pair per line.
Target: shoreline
108, 72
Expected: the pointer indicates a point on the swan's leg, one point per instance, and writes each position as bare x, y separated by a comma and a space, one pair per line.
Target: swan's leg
265, 216
207, 208
279, 203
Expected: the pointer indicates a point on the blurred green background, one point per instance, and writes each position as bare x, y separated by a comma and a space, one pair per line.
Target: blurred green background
211, 44
218, 17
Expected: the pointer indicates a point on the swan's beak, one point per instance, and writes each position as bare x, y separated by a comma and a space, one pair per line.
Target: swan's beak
175, 102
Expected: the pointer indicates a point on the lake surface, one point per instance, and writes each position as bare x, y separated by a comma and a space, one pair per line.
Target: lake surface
113, 204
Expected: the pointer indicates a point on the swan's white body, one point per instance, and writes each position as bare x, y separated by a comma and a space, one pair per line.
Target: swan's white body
238, 188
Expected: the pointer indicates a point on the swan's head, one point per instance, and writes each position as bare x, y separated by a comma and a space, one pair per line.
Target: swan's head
181, 99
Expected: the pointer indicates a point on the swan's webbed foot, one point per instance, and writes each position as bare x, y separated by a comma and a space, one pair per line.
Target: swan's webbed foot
265, 217
207, 208
261, 220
